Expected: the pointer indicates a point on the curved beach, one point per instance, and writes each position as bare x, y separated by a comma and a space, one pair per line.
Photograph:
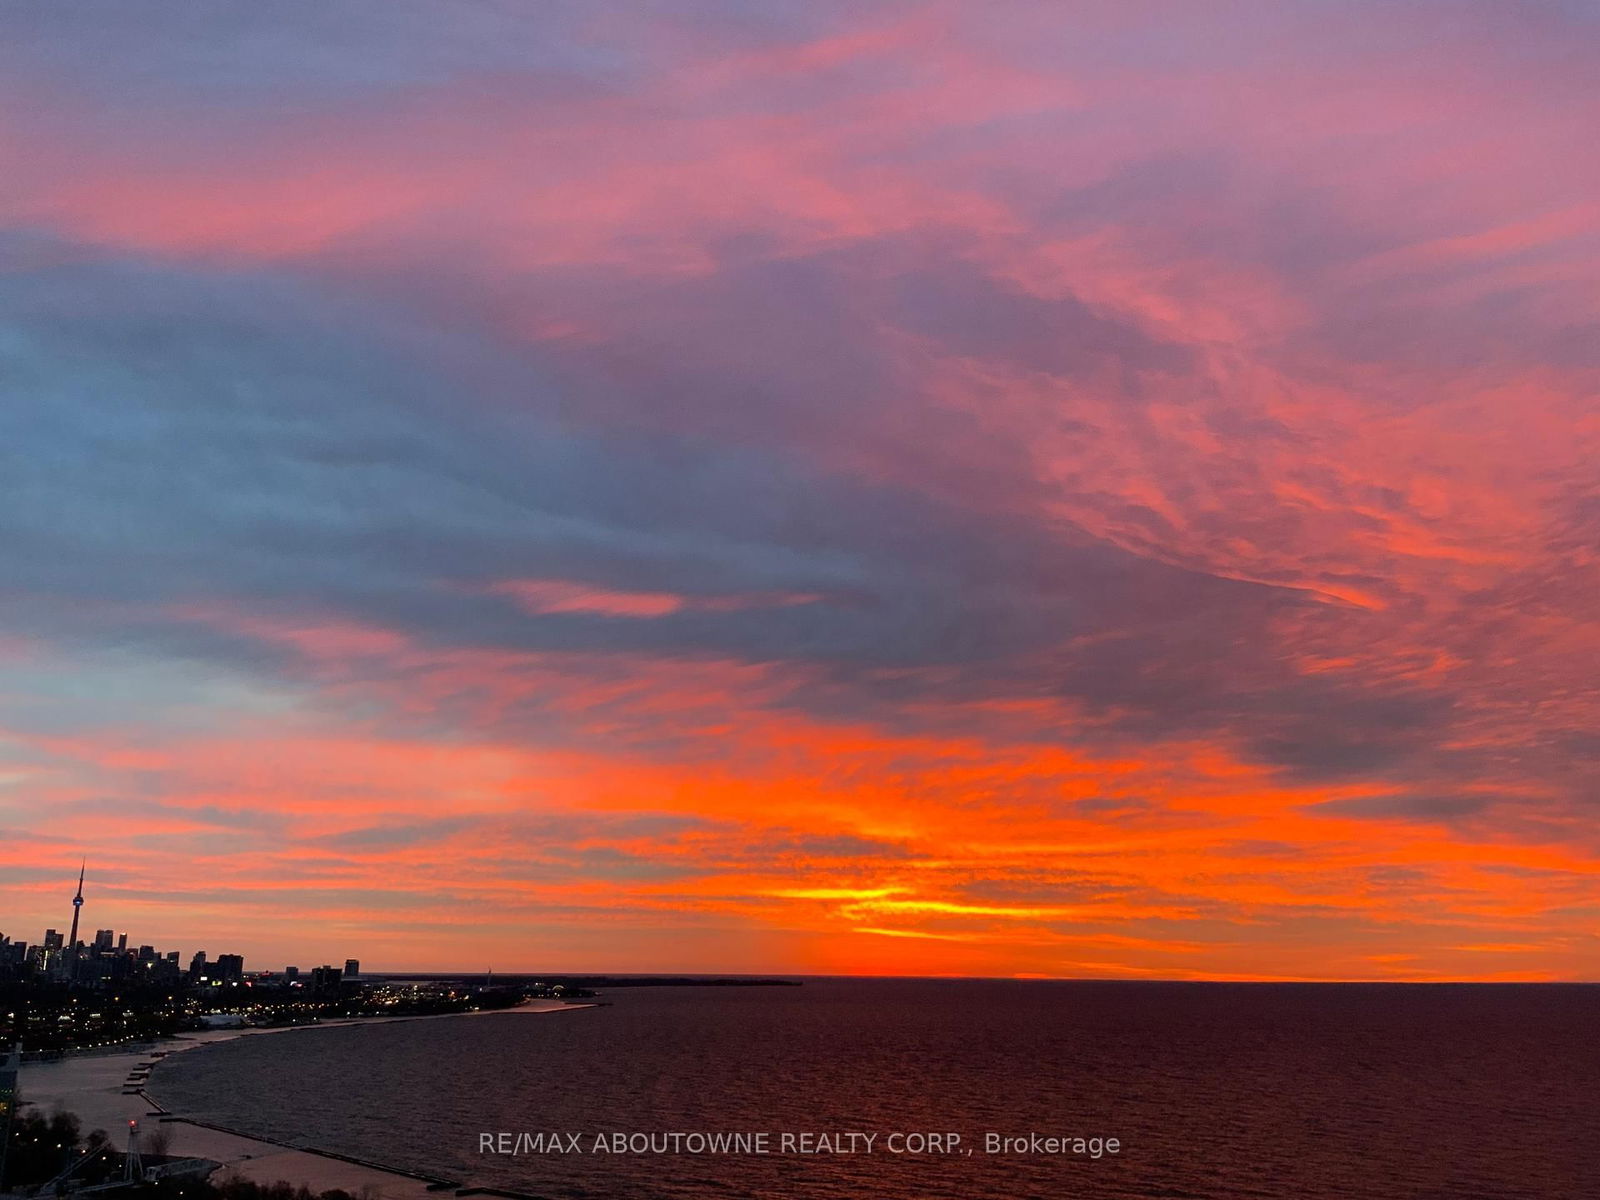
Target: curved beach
96, 1088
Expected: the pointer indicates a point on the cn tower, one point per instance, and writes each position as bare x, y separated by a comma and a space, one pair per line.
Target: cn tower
77, 907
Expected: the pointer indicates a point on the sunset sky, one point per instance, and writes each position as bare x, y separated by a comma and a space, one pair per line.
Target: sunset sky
1099, 489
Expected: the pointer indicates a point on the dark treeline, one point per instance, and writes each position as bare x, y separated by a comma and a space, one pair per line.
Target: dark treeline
584, 985
231, 1187
43, 1145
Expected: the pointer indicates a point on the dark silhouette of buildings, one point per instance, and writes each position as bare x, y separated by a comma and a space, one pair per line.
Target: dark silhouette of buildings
108, 961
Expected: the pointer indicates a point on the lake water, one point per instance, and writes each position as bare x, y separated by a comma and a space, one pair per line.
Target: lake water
1212, 1091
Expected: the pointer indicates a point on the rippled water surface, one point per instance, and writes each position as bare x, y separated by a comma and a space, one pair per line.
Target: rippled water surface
1214, 1091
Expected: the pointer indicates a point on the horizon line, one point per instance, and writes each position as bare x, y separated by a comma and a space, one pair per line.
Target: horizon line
782, 976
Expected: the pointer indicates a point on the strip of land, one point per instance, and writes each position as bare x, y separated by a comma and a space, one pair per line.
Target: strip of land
107, 1090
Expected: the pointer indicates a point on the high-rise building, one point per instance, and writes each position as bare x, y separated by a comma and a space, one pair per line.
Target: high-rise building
122, 943
352, 968
103, 940
197, 967
325, 981
291, 973
230, 968
77, 908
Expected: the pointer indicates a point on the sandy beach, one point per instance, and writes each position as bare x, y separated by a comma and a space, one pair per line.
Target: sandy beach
95, 1087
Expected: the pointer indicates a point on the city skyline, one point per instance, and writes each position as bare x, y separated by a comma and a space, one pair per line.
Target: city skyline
62, 957
805, 489
54, 954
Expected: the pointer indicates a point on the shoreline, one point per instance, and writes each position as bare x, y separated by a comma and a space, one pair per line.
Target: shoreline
106, 1089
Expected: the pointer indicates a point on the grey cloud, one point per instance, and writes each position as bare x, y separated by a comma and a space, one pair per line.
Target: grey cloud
205, 438
380, 837
1411, 806
190, 438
